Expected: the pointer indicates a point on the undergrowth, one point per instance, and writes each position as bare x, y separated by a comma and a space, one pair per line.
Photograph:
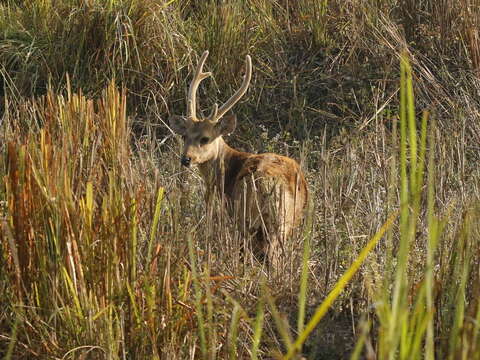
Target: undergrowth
106, 250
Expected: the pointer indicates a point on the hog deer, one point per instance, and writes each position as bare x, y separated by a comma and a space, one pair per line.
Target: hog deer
265, 193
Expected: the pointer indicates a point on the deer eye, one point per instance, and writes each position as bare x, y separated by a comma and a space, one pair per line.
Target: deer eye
204, 140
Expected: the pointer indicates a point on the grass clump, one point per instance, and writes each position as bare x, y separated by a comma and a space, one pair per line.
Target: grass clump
74, 234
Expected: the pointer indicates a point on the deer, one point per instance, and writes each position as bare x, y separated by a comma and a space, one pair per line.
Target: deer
266, 194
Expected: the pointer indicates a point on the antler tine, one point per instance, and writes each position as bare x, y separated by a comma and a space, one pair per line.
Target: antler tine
238, 94
213, 114
192, 91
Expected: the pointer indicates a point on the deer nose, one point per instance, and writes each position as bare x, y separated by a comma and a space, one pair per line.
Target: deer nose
186, 161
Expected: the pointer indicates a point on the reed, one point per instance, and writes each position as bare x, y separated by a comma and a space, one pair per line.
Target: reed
107, 253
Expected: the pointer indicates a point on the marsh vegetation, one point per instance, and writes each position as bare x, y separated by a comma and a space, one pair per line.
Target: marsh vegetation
106, 249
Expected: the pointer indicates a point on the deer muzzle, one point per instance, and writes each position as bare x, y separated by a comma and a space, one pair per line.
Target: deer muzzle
186, 161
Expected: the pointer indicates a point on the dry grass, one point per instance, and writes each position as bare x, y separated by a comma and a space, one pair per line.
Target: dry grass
105, 244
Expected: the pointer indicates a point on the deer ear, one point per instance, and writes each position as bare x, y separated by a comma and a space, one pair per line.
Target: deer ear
227, 125
179, 124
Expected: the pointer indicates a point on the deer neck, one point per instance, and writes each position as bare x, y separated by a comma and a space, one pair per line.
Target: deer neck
220, 172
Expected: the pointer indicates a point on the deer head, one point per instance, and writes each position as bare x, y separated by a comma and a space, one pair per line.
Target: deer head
203, 137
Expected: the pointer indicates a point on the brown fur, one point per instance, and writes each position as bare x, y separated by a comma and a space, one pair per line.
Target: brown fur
273, 183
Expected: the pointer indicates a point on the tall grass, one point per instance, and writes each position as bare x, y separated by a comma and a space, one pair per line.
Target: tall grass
105, 247
74, 210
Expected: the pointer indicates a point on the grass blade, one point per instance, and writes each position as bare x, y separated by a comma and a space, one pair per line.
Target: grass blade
198, 298
340, 285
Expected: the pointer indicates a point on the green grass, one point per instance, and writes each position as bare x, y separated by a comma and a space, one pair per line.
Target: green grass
105, 248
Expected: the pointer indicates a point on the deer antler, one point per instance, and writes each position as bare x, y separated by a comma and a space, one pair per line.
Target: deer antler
217, 113
192, 91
